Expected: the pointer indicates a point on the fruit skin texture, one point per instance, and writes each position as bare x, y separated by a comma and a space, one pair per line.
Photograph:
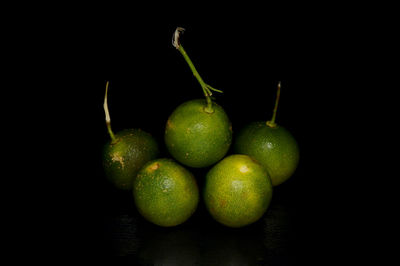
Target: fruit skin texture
165, 193
122, 160
237, 191
274, 147
196, 138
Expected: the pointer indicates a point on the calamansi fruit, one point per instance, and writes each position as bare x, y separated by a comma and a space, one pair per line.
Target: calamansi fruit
195, 137
274, 147
123, 158
271, 145
237, 191
165, 193
126, 152
198, 133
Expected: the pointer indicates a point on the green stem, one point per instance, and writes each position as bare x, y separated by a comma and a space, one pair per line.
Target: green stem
271, 122
113, 139
108, 119
206, 88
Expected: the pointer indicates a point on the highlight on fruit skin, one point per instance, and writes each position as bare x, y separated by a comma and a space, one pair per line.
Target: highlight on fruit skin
237, 191
271, 145
126, 152
165, 193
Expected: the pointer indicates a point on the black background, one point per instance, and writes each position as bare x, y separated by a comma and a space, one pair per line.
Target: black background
314, 216
149, 78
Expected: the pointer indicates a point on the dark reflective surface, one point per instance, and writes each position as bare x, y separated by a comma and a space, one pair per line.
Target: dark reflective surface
311, 218
127, 237
147, 82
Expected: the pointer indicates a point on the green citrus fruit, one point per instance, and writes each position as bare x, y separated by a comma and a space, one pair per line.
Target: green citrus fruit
273, 146
237, 191
123, 157
195, 137
165, 193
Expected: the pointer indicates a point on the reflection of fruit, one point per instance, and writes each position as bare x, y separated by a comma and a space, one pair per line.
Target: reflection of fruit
233, 247
122, 233
175, 246
126, 153
165, 193
272, 145
197, 138
237, 191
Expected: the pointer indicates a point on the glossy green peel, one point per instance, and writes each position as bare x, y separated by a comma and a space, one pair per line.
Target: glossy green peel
165, 192
195, 137
237, 191
124, 157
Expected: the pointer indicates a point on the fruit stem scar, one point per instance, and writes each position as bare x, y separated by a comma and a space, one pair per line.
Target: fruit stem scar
154, 167
206, 88
116, 157
108, 119
271, 123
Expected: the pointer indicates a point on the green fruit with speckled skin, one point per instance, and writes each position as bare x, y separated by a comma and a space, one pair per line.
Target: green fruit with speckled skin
124, 157
195, 137
237, 191
165, 193
273, 146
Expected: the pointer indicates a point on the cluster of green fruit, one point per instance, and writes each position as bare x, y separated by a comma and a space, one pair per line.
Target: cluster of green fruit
238, 188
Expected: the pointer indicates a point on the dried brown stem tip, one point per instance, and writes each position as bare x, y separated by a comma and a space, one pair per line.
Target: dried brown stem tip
175, 37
